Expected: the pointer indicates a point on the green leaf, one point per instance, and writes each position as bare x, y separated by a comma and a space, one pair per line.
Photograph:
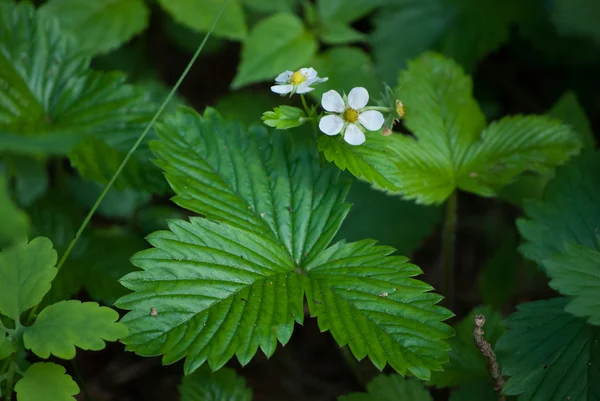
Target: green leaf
577, 17
451, 149
26, 271
224, 384
275, 44
61, 327
549, 354
569, 111
568, 213
466, 30
284, 117
99, 25
466, 362
234, 281
371, 161
268, 6
201, 15
15, 222
31, 179
577, 273
369, 300
346, 10
46, 381
335, 33
56, 101
262, 192
393, 221
346, 68
391, 388
6, 347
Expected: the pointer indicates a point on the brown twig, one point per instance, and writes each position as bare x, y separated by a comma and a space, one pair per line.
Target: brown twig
486, 349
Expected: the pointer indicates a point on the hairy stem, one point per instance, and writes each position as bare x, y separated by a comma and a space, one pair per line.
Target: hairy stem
311, 116
486, 349
134, 147
448, 243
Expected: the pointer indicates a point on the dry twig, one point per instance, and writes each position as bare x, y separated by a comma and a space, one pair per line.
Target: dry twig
486, 349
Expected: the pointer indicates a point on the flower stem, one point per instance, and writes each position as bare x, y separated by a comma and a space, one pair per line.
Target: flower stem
311, 116
305, 105
380, 108
448, 242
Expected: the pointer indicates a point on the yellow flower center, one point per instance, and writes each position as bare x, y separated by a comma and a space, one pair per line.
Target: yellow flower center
297, 78
350, 115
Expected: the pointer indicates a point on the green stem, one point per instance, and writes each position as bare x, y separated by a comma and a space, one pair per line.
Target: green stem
311, 116
134, 147
448, 248
306, 109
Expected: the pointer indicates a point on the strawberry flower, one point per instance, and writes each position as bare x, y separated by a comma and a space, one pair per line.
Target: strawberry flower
296, 82
349, 115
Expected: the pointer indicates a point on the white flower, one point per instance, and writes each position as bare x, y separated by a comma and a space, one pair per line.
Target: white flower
296, 82
349, 116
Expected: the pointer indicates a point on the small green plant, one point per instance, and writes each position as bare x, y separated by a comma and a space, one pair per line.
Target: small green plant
247, 207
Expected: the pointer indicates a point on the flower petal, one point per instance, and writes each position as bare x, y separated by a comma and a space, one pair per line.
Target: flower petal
358, 98
308, 73
353, 135
284, 77
304, 87
282, 89
371, 120
331, 124
332, 101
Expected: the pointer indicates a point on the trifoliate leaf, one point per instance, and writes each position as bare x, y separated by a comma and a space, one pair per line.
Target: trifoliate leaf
346, 68
26, 271
61, 327
15, 223
222, 385
568, 110
284, 117
201, 15
345, 10
451, 148
336, 33
280, 210
577, 273
46, 381
466, 361
371, 161
56, 101
466, 30
370, 301
568, 212
275, 44
393, 221
576, 17
99, 25
391, 388
549, 354
234, 281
